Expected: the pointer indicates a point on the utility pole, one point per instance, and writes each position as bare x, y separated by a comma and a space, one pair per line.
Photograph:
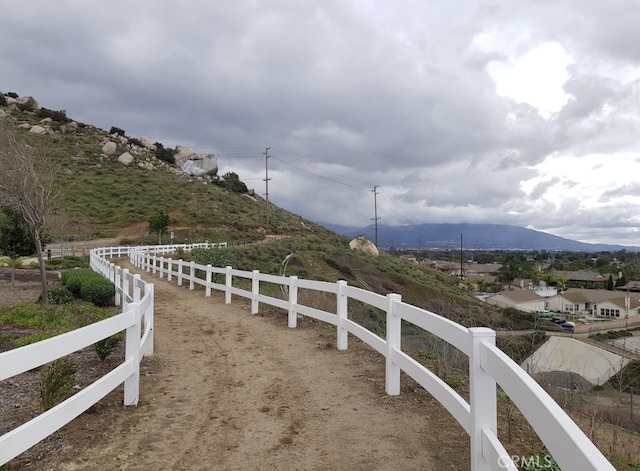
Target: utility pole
375, 209
266, 183
461, 261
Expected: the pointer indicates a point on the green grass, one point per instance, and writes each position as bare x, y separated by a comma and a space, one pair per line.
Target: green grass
43, 322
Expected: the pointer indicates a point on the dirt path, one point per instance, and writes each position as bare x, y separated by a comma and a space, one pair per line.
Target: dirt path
230, 391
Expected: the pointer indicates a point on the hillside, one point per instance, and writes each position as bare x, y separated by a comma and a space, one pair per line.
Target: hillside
104, 198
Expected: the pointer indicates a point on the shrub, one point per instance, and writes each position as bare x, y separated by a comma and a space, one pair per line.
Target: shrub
89, 286
12, 94
233, 183
99, 293
135, 142
60, 296
60, 116
67, 263
116, 130
3, 99
107, 346
165, 154
57, 382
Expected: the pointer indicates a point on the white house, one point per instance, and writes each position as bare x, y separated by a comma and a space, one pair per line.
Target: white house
525, 300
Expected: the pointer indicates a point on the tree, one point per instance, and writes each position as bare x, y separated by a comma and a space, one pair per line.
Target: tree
159, 223
15, 238
28, 175
515, 266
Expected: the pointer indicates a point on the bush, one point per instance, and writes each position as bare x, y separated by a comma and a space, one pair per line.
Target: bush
116, 130
233, 183
98, 292
135, 142
60, 116
58, 382
12, 94
67, 263
3, 99
60, 296
107, 346
165, 154
89, 286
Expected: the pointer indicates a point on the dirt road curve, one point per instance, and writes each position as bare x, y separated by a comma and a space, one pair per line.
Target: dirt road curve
226, 390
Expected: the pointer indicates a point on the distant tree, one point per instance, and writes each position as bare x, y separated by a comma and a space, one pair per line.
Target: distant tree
159, 223
610, 284
231, 181
15, 237
28, 174
621, 281
116, 130
515, 266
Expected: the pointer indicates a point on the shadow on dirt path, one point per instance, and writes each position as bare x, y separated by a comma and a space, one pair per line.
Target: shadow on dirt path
230, 391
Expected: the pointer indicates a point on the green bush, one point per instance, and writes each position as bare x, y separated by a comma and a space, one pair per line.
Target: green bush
58, 382
89, 286
107, 346
60, 296
12, 94
135, 141
165, 154
60, 116
67, 263
3, 99
98, 292
117, 130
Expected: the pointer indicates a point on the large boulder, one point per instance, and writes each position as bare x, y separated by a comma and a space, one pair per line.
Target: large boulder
147, 143
3, 114
69, 128
26, 103
37, 130
109, 148
364, 245
183, 154
125, 159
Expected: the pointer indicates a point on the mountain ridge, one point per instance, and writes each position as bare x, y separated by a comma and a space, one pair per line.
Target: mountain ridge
474, 236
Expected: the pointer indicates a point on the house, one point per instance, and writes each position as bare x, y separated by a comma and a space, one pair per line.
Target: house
594, 302
631, 286
525, 300
585, 279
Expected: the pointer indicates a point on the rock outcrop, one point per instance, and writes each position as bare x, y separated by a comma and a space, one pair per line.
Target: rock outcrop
196, 164
109, 148
125, 159
364, 245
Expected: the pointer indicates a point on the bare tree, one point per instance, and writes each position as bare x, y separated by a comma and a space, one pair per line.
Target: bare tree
28, 173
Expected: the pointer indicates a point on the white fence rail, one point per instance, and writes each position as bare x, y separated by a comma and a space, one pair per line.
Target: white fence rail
488, 366
136, 298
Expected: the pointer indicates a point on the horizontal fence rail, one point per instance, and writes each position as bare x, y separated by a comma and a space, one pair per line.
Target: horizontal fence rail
488, 366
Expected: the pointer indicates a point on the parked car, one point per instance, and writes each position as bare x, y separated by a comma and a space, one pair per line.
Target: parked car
568, 325
558, 320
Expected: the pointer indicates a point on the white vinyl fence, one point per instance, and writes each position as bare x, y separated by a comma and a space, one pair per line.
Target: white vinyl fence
136, 298
488, 365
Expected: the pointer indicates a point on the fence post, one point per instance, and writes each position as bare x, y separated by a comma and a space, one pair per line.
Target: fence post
228, 280
169, 274
207, 289
293, 301
482, 397
161, 267
255, 290
125, 288
153, 266
192, 275
136, 288
132, 353
394, 336
342, 308
179, 272
117, 281
150, 318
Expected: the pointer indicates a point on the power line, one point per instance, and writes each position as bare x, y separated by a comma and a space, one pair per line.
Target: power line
320, 176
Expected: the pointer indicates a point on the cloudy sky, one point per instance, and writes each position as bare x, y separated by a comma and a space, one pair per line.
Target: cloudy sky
510, 112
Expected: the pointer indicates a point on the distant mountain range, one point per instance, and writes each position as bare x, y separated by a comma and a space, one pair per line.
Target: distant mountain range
474, 236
